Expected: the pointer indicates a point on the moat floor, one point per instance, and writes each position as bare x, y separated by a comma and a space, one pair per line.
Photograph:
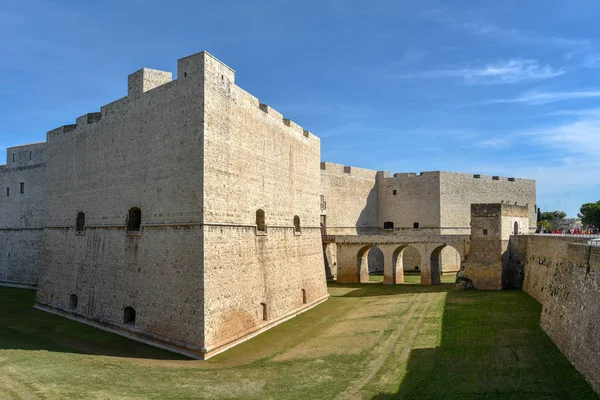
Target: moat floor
367, 342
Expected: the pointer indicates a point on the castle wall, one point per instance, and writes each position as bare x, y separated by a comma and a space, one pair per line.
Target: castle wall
407, 198
350, 197
491, 228
458, 191
565, 277
144, 150
22, 217
256, 159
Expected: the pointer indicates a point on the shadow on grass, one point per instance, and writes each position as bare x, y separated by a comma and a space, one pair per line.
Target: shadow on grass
491, 347
24, 328
375, 290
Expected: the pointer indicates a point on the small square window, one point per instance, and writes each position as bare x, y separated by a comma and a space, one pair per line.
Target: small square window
394, 192
416, 225
485, 232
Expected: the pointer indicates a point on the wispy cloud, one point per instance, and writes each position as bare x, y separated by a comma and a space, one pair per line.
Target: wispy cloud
539, 98
443, 16
577, 138
511, 71
495, 143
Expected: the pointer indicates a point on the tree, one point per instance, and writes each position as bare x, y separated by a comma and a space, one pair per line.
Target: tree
590, 214
553, 215
539, 215
544, 224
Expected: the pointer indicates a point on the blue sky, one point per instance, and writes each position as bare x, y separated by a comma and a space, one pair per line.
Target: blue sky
502, 88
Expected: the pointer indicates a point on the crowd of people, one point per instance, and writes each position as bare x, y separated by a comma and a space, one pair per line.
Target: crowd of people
569, 231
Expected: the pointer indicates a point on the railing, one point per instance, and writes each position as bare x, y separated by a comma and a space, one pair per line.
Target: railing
594, 243
573, 235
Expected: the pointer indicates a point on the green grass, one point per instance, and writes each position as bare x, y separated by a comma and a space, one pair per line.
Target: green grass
414, 279
366, 342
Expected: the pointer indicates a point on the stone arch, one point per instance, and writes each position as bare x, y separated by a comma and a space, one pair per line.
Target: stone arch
368, 262
436, 262
399, 258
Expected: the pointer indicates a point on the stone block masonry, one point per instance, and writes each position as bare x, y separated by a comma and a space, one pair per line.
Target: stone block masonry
564, 276
22, 195
185, 214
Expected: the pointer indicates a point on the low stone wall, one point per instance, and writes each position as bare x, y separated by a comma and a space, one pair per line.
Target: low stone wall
565, 277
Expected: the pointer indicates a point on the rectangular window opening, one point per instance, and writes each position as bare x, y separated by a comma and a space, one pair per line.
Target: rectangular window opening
394, 192
485, 232
22, 187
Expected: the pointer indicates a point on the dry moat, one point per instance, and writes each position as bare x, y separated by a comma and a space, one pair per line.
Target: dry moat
368, 341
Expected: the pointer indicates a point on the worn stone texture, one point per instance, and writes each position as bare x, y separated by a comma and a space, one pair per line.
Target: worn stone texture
350, 199
361, 201
22, 216
198, 156
564, 276
491, 228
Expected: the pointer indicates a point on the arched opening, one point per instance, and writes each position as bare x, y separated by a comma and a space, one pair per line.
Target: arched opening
129, 316
73, 301
134, 220
516, 228
263, 307
80, 224
297, 228
450, 261
370, 261
443, 260
260, 221
304, 296
388, 225
406, 263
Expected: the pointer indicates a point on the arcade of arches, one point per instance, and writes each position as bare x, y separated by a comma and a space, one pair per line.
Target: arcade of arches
357, 262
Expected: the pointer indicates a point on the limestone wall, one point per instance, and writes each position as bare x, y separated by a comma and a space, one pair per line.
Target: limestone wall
539, 257
22, 188
350, 197
458, 191
256, 159
406, 199
571, 313
564, 276
144, 150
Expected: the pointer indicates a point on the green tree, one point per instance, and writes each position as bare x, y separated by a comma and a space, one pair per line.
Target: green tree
553, 215
545, 224
590, 214
539, 215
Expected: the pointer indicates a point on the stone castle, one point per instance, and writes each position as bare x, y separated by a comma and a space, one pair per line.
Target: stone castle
190, 216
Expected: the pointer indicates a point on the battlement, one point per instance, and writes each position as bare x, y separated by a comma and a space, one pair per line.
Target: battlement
146, 79
340, 169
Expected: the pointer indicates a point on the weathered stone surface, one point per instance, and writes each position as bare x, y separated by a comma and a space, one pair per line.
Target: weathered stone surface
198, 156
565, 277
22, 214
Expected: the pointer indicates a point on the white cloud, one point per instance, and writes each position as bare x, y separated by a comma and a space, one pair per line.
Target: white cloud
537, 98
492, 143
579, 138
511, 71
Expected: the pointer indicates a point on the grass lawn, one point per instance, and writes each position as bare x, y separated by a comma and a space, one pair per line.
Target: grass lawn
366, 342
